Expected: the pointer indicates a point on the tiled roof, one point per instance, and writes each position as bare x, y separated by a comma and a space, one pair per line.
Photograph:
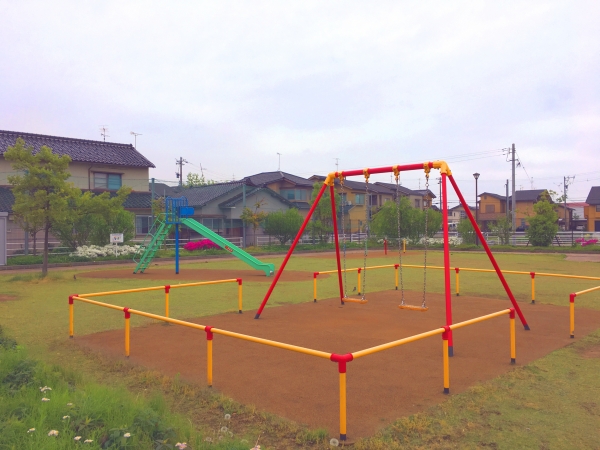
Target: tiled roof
80, 150
593, 197
391, 186
472, 208
499, 197
232, 201
135, 200
260, 179
7, 199
356, 185
531, 195
200, 196
424, 192
164, 190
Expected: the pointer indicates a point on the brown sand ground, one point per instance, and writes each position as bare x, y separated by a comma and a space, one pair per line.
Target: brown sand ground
199, 275
381, 387
392, 254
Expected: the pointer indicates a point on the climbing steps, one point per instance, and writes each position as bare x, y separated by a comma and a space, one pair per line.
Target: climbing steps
158, 233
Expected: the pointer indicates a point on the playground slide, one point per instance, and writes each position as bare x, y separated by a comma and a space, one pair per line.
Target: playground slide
267, 268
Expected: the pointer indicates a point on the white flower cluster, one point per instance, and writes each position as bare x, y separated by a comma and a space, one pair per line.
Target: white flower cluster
453, 240
95, 251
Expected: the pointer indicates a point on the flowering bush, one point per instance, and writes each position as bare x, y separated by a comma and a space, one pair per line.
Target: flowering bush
453, 240
202, 244
585, 242
95, 251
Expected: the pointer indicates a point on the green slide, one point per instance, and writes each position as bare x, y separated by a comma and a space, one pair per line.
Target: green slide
267, 268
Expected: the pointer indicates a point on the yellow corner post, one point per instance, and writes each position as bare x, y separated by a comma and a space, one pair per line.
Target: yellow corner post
396, 275
71, 316
358, 280
315, 275
445, 336
532, 287
209, 356
513, 340
572, 314
457, 270
342, 360
167, 289
403, 245
127, 318
239, 280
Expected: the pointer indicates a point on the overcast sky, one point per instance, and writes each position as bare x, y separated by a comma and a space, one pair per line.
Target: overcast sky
228, 85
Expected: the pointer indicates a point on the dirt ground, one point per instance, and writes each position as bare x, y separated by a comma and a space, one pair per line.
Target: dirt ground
392, 254
381, 387
583, 258
199, 275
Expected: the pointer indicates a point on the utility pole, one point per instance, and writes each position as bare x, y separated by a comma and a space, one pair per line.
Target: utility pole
513, 208
180, 162
566, 181
506, 201
440, 185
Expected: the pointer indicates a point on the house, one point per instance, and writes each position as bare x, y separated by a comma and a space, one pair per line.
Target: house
457, 213
96, 166
295, 189
579, 222
592, 210
493, 206
421, 198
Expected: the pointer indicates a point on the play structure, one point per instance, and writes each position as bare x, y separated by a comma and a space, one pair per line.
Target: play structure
177, 213
446, 174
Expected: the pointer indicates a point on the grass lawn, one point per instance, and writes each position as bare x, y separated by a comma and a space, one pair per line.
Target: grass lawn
552, 403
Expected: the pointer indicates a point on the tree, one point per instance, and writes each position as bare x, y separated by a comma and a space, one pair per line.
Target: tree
412, 221
196, 180
321, 225
41, 190
466, 231
284, 225
503, 229
542, 226
254, 217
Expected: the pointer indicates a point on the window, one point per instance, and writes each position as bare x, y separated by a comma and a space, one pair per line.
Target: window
110, 181
359, 199
213, 224
417, 203
143, 224
424, 203
490, 208
293, 194
463, 215
597, 208
522, 222
343, 198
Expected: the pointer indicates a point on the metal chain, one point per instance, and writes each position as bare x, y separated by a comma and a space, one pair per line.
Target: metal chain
399, 243
367, 229
424, 304
344, 234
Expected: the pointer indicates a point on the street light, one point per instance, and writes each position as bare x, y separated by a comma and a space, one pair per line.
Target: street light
476, 176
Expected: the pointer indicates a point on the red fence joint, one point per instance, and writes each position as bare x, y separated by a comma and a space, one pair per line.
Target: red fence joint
209, 334
239, 281
446, 333
341, 360
512, 314
127, 313
572, 297
315, 275
396, 266
167, 288
71, 298
457, 269
532, 274
359, 269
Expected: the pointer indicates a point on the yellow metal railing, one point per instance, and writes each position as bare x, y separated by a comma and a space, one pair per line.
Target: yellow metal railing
342, 360
572, 307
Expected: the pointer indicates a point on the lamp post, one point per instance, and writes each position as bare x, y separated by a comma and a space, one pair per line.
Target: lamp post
476, 176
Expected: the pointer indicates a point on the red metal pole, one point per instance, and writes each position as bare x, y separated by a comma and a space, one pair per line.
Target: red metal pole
290, 251
337, 244
447, 264
489, 253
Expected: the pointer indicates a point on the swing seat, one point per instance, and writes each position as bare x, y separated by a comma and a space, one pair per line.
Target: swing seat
362, 301
414, 308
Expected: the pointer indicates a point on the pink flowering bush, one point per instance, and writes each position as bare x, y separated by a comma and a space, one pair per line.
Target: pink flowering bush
202, 244
585, 242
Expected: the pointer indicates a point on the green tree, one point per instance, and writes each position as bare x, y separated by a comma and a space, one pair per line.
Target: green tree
284, 225
321, 225
412, 221
543, 225
466, 231
503, 229
196, 180
254, 216
41, 190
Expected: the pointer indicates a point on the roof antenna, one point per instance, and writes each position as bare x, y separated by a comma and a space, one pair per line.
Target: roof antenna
279, 163
104, 132
135, 135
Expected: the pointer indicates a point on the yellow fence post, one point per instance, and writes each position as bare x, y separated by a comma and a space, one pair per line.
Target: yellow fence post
342, 360
446, 358
239, 280
572, 313
209, 356
403, 245
358, 280
167, 289
396, 274
315, 275
71, 318
457, 270
513, 340
127, 318
532, 287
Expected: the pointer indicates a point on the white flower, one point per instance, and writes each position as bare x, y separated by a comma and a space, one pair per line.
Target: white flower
208, 439
76, 438
31, 430
69, 404
223, 429
88, 441
227, 416
66, 417
45, 399
334, 442
45, 388
53, 433
181, 445
126, 435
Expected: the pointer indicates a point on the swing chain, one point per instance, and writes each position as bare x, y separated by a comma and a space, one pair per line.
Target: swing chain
397, 175
426, 241
343, 232
367, 231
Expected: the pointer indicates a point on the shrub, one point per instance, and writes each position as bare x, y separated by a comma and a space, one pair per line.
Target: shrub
202, 244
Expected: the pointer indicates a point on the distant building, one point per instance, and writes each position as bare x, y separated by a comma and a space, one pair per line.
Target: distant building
592, 210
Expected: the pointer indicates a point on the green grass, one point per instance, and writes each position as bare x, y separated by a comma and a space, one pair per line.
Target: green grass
38, 319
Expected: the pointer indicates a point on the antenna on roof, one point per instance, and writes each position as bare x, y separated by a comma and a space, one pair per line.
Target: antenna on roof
104, 132
135, 135
337, 162
279, 163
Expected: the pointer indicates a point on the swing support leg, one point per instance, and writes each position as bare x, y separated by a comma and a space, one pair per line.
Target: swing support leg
336, 239
448, 291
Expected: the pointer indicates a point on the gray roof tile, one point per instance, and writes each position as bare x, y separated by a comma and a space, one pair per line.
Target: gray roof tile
200, 196
260, 179
593, 197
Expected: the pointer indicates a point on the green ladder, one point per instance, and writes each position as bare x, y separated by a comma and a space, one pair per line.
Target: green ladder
152, 243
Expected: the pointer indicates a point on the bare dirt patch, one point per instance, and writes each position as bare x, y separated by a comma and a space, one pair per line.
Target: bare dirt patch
381, 387
583, 258
358, 254
591, 352
7, 298
198, 275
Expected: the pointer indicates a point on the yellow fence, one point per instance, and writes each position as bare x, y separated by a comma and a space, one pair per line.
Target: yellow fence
572, 307
342, 360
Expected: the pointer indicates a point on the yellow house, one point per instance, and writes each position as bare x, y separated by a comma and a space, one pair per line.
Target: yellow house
592, 211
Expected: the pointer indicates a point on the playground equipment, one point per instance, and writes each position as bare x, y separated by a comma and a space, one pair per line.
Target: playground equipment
446, 174
572, 307
342, 360
177, 212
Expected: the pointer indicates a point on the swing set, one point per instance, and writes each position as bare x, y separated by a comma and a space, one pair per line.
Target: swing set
446, 175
